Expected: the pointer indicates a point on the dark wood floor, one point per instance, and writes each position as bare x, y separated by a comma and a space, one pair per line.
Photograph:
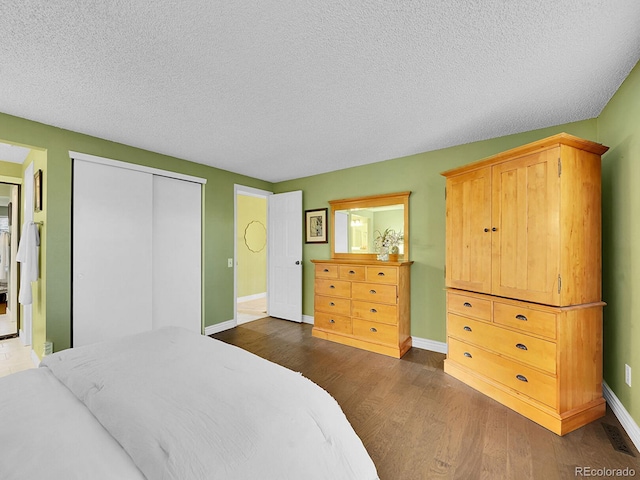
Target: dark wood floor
419, 423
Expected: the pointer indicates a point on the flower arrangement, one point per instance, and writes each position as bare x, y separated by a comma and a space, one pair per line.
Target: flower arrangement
387, 242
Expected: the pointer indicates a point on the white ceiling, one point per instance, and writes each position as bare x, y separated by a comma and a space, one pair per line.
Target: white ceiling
281, 89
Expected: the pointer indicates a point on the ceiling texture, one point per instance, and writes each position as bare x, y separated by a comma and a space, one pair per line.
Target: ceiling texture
282, 89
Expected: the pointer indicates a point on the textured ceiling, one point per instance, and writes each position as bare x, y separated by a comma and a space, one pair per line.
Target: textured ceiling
281, 89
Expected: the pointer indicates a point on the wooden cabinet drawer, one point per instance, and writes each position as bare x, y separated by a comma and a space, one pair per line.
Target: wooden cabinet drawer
326, 271
469, 306
376, 312
382, 274
524, 348
333, 305
333, 288
375, 332
334, 323
525, 319
534, 384
372, 292
351, 272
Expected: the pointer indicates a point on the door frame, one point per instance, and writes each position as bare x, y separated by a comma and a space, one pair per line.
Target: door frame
251, 192
15, 237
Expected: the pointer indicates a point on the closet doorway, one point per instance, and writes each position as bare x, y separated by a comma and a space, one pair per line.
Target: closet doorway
250, 254
9, 237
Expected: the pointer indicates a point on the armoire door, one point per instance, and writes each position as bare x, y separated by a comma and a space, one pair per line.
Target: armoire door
526, 213
468, 227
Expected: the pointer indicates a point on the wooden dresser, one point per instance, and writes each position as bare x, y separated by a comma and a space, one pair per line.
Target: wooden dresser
523, 277
364, 303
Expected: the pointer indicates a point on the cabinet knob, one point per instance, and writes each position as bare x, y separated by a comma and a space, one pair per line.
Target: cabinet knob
468, 355
494, 229
373, 310
373, 329
372, 292
351, 272
331, 304
332, 321
521, 317
486, 229
332, 286
381, 274
521, 346
467, 304
522, 378
467, 329
326, 270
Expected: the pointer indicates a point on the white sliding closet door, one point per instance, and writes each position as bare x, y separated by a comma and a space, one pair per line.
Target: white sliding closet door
112, 261
177, 235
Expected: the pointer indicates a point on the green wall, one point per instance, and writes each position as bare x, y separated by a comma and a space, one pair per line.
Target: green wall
251, 260
421, 175
619, 128
218, 217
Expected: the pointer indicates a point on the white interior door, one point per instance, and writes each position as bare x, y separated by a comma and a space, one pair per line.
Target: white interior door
285, 255
112, 255
177, 255
27, 310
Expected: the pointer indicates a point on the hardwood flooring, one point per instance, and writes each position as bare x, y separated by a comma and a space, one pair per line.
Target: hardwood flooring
417, 422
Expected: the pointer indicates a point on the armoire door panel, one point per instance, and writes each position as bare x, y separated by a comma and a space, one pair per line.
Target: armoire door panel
112, 261
468, 224
526, 212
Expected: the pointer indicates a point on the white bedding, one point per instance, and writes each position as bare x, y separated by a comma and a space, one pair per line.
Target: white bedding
183, 406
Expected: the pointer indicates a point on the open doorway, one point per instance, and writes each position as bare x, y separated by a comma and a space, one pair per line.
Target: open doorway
9, 310
250, 265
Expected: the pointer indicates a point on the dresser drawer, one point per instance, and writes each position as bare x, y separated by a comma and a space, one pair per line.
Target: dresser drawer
375, 332
372, 292
469, 306
382, 274
333, 288
525, 319
377, 312
534, 384
334, 323
333, 305
326, 271
519, 346
351, 272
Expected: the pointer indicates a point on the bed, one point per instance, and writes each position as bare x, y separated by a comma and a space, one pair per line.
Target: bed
172, 404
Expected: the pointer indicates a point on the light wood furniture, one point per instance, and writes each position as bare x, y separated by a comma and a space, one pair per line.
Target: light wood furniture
523, 269
364, 303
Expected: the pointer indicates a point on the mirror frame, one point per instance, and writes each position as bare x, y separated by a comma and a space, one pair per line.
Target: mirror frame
401, 198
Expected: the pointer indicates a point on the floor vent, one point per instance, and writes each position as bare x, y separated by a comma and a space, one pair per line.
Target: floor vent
617, 440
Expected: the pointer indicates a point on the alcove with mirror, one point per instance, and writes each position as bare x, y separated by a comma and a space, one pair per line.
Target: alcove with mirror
362, 293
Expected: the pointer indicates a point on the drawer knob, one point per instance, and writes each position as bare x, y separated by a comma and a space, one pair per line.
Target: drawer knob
372, 292
522, 378
467, 329
521, 346
351, 272
373, 329
332, 286
468, 355
373, 310
332, 321
486, 230
326, 270
467, 304
331, 304
381, 274
521, 317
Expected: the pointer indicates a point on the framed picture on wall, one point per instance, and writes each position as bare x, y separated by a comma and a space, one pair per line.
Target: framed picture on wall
316, 225
37, 191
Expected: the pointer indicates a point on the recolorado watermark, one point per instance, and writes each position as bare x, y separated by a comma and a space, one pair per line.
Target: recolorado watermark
604, 472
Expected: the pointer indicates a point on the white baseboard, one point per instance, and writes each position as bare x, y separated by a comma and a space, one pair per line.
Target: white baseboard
255, 296
627, 422
34, 358
308, 319
219, 327
431, 345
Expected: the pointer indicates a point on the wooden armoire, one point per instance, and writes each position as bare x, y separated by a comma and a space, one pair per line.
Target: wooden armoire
523, 278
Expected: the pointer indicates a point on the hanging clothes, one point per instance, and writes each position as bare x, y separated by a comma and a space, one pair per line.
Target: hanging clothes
28, 257
5, 257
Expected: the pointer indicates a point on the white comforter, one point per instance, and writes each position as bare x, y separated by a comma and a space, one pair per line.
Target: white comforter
183, 406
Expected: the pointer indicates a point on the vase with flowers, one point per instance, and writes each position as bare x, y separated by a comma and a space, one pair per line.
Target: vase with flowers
386, 243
